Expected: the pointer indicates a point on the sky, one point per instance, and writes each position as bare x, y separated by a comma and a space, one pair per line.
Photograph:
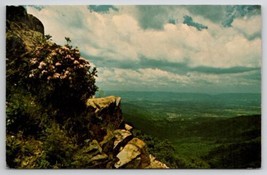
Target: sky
203, 49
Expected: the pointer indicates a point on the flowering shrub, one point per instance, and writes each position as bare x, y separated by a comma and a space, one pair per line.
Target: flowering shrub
66, 76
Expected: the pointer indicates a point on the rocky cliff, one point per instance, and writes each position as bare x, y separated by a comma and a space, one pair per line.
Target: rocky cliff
128, 151
40, 137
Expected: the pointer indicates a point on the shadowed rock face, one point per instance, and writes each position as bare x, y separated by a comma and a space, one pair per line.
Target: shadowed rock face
20, 16
24, 32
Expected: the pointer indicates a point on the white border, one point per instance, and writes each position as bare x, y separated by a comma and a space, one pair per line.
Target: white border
5, 171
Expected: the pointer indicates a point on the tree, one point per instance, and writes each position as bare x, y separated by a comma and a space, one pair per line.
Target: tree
68, 40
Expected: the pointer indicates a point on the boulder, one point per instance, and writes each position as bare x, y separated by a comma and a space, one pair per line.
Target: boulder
105, 115
122, 137
127, 154
98, 104
135, 148
128, 127
155, 164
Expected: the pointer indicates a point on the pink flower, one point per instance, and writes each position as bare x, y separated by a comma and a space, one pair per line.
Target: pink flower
56, 75
76, 62
65, 48
68, 56
63, 76
44, 72
41, 65
58, 64
66, 72
53, 53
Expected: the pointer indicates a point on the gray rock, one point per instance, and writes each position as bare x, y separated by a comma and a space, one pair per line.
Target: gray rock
135, 148
122, 137
155, 164
128, 154
128, 127
98, 104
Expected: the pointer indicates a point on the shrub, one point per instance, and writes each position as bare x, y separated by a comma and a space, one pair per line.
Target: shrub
66, 79
59, 148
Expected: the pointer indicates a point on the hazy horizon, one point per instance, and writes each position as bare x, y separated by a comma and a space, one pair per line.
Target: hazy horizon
177, 92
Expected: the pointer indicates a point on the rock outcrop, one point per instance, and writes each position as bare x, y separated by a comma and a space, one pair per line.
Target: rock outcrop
23, 31
127, 151
23, 20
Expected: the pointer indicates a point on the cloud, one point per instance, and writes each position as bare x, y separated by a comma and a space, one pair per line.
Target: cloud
147, 79
249, 26
140, 79
138, 46
232, 70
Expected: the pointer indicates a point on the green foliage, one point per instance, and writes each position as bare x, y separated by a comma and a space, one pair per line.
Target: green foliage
48, 37
47, 119
236, 155
59, 148
203, 142
68, 40
23, 152
15, 46
164, 151
24, 114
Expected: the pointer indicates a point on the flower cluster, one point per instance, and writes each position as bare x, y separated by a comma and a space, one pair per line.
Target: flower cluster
54, 64
60, 63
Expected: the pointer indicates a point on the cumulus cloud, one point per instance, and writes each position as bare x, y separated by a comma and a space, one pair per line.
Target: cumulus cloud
156, 79
249, 26
139, 44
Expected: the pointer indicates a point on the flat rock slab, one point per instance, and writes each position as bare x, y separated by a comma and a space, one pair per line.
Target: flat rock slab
101, 103
122, 137
130, 152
